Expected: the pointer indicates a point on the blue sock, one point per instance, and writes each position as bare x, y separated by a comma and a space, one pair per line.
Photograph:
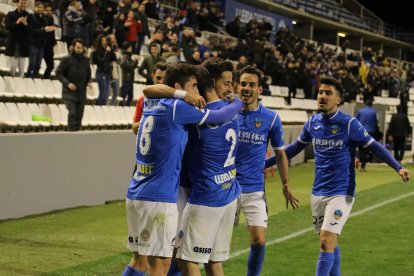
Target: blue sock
174, 269
335, 271
325, 262
256, 259
130, 271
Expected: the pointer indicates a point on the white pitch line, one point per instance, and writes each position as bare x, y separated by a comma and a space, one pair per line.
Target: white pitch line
304, 231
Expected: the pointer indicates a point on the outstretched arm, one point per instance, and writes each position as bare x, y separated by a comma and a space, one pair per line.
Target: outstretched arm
385, 156
158, 91
223, 114
282, 164
291, 151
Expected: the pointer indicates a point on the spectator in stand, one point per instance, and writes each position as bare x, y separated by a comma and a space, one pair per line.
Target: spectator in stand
398, 130
124, 6
91, 10
3, 31
148, 64
74, 72
157, 38
116, 79
195, 58
73, 22
233, 28
120, 28
103, 56
18, 23
128, 65
37, 40
108, 10
50, 42
158, 78
132, 29
142, 18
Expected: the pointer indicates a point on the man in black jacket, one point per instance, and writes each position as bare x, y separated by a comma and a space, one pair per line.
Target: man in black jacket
18, 23
398, 130
37, 40
50, 42
75, 74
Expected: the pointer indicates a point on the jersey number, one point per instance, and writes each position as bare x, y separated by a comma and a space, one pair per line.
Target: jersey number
145, 139
231, 137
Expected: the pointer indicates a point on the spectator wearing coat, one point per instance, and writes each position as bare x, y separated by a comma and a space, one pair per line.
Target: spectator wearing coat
18, 23
74, 72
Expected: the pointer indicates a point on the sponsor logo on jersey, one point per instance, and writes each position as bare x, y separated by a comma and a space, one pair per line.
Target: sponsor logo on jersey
224, 177
145, 235
338, 214
202, 250
258, 122
334, 129
333, 223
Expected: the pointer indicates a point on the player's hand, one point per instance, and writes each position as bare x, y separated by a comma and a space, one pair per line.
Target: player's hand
195, 100
289, 197
230, 97
405, 174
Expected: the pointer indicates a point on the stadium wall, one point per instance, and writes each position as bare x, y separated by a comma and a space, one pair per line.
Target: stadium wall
42, 172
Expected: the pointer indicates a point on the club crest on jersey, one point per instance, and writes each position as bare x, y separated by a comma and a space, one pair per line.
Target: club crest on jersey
338, 214
145, 235
258, 122
334, 129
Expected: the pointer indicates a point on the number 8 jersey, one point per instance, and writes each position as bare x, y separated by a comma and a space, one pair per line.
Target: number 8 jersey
160, 145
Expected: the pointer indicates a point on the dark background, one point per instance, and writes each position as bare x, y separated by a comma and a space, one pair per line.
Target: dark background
395, 12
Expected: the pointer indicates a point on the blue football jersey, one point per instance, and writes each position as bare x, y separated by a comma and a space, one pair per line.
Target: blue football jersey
334, 140
160, 145
256, 129
211, 168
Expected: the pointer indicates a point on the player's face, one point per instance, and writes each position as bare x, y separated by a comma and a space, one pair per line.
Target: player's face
224, 85
158, 76
191, 85
248, 89
328, 99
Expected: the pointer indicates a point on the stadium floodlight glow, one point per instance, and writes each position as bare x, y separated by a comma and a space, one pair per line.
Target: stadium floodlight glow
293, 22
341, 34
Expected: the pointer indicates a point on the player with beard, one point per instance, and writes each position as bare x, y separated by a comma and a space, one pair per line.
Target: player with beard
335, 136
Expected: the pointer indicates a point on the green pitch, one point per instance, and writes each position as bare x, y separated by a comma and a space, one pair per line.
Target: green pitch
92, 241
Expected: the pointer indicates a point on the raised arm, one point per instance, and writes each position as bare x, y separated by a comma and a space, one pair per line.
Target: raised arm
158, 91
223, 114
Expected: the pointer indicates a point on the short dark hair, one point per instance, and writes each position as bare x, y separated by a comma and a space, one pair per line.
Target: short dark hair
252, 70
205, 81
161, 65
333, 82
77, 40
179, 73
126, 45
216, 66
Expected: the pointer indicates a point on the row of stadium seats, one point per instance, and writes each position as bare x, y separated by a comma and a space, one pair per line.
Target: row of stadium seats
41, 117
45, 89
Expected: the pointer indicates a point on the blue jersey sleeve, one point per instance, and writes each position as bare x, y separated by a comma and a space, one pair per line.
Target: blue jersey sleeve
185, 114
358, 134
305, 136
276, 134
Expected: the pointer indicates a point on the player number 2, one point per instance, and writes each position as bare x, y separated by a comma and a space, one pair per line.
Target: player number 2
231, 137
145, 139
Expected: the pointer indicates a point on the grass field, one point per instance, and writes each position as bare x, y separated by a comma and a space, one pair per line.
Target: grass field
92, 240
